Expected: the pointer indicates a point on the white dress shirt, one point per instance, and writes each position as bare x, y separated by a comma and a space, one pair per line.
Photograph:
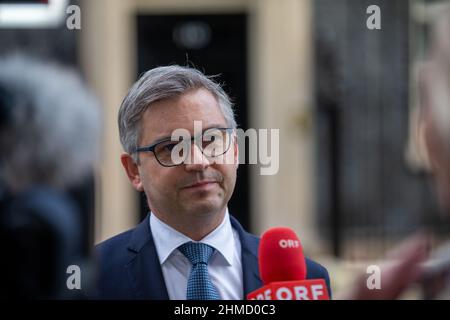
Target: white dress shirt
224, 266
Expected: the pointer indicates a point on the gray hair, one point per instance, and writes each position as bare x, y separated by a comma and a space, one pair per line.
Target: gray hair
52, 129
164, 83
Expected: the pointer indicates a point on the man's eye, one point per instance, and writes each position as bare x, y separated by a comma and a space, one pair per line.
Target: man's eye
166, 147
169, 147
213, 137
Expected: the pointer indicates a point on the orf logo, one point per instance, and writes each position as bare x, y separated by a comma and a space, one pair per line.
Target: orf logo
289, 243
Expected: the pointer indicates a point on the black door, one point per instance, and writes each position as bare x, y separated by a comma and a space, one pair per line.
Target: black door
366, 188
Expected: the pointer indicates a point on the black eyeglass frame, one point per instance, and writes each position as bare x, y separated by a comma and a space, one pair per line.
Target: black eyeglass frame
152, 147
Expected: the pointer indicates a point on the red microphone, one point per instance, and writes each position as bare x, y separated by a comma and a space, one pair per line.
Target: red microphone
282, 268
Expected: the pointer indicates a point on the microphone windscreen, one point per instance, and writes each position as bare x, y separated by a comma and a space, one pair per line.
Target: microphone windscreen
281, 256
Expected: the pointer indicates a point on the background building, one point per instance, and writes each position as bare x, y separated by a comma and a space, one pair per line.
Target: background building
350, 182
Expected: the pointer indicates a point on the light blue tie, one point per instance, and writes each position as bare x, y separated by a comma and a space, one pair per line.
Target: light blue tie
199, 285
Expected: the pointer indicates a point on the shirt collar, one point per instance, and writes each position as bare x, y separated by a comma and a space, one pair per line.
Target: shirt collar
167, 239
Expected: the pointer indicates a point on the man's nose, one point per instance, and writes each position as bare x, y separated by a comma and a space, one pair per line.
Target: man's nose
197, 160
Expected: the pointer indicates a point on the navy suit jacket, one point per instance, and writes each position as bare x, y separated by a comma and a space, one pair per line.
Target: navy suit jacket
129, 267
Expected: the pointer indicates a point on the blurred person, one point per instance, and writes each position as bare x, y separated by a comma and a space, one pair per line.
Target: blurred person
434, 85
189, 246
408, 261
49, 138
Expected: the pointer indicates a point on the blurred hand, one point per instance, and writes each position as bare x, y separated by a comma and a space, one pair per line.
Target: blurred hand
402, 269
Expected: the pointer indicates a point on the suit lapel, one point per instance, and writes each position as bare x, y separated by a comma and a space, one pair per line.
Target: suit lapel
249, 254
144, 269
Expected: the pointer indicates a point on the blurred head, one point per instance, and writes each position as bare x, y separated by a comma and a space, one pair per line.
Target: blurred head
435, 106
50, 127
162, 100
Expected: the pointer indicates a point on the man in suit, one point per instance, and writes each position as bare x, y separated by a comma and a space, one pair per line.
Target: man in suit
189, 246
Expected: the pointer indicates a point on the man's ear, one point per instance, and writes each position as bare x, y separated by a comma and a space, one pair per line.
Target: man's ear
132, 171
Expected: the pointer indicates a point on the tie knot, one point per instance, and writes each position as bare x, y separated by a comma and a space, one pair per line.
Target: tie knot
196, 252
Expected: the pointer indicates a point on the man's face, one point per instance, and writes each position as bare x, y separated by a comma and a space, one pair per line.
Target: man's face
194, 190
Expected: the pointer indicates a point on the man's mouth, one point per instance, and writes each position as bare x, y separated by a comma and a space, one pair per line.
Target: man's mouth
201, 184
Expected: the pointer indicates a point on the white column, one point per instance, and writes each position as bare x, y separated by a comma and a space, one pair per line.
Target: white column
281, 86
107, 59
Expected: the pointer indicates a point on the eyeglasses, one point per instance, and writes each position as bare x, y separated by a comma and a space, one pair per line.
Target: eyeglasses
212, 142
